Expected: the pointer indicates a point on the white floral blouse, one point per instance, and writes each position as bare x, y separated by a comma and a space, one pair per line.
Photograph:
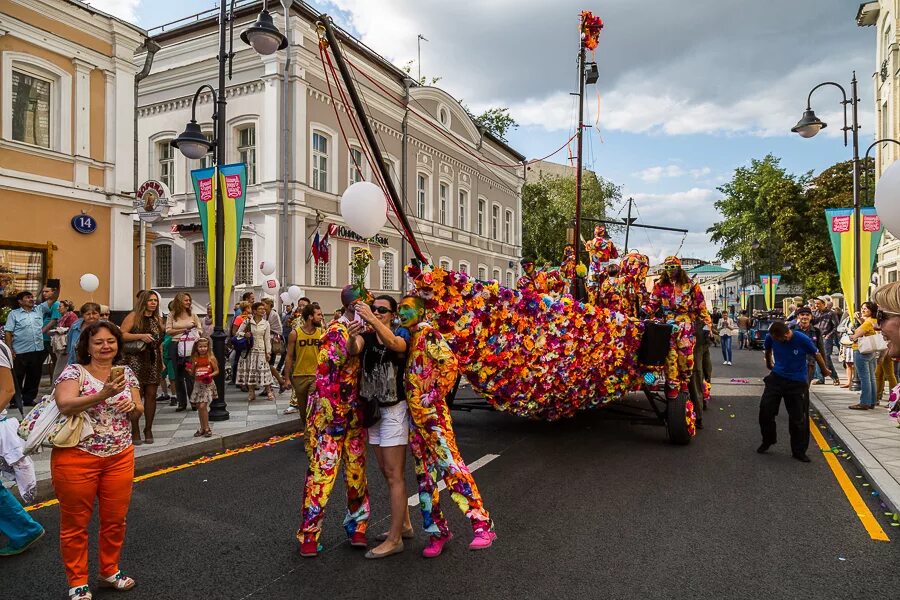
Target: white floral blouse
112, 429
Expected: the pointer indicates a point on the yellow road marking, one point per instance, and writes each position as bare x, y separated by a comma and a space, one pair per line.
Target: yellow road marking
862, 511
198, 461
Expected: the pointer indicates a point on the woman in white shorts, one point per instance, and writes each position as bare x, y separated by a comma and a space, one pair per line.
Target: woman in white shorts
383, 365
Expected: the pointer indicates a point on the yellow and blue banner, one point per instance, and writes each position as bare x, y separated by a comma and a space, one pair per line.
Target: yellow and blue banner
743, 295
232, 180
841, 228
770, 288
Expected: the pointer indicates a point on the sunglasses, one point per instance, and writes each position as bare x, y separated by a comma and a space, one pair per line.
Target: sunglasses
883, 315
671, 267
382, 310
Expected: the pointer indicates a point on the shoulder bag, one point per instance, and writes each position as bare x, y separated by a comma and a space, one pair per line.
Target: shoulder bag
45, 425
871, 343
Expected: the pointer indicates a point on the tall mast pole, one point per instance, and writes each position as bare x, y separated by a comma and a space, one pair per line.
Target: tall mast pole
578, 166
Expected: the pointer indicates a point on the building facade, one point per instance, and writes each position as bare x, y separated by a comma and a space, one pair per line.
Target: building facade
881, 15
66, 165
466, 212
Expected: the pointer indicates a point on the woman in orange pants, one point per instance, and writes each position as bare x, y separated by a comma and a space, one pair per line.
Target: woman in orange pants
101, 467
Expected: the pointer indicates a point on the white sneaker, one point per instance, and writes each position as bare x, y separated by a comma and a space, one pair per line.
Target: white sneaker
725, 363
290, 410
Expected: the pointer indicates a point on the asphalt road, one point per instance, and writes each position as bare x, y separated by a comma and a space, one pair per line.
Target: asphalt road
593, 507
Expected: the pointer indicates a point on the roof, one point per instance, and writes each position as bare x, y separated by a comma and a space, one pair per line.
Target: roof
867, 14
707, 269
87, 7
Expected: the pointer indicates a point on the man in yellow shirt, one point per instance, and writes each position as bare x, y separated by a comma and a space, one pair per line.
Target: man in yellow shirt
302, 357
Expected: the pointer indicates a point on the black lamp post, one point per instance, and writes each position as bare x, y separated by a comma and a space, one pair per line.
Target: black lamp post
265, 38
808, 126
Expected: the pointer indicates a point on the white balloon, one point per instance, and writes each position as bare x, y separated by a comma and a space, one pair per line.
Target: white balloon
285, 297
89, 282
381, 263
295, 293
271, 284
364, 208
887, 199
267, 267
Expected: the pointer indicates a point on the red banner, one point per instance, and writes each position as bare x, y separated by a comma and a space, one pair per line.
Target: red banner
205, 186
233, 187
871, 223
840, 224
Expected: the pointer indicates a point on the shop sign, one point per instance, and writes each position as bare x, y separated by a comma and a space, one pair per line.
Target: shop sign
152, 201
342, 232
84, 223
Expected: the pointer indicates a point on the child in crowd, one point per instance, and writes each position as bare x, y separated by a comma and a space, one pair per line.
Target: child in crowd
204, 369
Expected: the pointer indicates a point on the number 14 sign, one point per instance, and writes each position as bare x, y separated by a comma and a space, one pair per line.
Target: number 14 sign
84, 223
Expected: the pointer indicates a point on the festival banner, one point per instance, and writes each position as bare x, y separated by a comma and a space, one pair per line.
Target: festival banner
233, 182
769, 288
743, 295
841, 229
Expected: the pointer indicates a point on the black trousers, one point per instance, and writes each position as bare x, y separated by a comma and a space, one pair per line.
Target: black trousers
29, 367
796, 400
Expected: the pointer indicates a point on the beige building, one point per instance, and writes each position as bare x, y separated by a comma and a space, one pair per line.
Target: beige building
66, 114
467, 212
882, 15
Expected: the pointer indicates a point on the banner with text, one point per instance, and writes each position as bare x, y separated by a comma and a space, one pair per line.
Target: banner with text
769, 288
232, 180
842, 230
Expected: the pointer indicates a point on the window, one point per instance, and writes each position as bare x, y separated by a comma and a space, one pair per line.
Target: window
201, 274
495, 222
207, 161
463, 267
444, 199
164, 265
885, 123
320, 162
507, 227
461, 210
387, 271
509, 279
482, 272
166, 154
30, 109
892, 276
322, 273
243, 272
421, 195
389, 165
247, 151
357, 166
444, 117
22, 268
497, 275
445, 264
481, 209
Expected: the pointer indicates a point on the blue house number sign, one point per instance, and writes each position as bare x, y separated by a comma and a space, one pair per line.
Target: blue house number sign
84, 223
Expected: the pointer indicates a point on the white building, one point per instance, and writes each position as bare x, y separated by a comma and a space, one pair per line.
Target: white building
467, 212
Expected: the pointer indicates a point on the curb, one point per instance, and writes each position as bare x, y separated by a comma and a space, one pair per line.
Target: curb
887, 487
168, 456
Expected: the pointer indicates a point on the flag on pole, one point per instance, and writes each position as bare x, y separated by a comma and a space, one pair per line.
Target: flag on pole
232, 180
841, 229
743, 295
315, 248
770, 288
323, 248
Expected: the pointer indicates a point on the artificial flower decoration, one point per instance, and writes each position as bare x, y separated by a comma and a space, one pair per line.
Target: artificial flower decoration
590, 29
359, 262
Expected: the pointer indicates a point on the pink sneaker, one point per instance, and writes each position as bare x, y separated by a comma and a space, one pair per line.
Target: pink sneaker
436, 545
482, 540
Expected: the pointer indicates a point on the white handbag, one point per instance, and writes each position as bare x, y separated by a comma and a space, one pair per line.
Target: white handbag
871, 343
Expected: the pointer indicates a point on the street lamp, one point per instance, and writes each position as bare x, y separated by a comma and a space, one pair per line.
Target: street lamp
265, 39
808, 126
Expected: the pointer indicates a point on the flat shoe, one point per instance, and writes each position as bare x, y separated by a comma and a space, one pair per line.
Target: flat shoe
122, 583
407, 534
858, 407
396, 550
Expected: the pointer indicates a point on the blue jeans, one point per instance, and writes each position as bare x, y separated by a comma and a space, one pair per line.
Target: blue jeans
15, 523
742, 337
726, 348
829, 343
864, 365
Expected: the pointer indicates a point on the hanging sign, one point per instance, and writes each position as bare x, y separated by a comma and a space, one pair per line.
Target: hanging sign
152, 201
342, 232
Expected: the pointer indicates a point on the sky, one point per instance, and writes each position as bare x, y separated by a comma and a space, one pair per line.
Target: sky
688, 91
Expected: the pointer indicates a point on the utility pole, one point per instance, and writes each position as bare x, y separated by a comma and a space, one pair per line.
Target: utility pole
578, 165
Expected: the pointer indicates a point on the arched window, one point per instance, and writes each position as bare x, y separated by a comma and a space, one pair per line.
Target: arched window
464, 267
497, 275
482, 272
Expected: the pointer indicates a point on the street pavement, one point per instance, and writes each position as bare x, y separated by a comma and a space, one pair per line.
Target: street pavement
596, 506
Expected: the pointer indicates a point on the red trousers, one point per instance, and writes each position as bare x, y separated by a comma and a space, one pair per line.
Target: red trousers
79, 478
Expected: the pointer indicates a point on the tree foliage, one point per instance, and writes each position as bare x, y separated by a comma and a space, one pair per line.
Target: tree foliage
785, 214
496, 120
548, 210
423, 80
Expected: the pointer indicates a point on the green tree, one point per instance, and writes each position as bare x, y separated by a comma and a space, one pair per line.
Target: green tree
496, 120
548, 210
423, 80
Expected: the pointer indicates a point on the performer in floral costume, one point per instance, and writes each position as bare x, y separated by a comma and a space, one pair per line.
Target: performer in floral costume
335, 434
601, 250
432, 370
680, 302
532, 279
567, 268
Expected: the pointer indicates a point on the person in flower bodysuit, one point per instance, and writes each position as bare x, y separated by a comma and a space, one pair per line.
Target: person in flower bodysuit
680, 302
431, 372
601, 250
532, 279
335, 433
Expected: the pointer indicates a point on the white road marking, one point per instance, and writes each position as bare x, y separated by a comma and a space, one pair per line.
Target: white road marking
474, 466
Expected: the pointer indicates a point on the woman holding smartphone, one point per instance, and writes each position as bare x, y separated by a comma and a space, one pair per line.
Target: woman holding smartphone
101, 467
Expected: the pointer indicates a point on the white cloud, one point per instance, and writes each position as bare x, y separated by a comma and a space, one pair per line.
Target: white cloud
124, 9
653, 174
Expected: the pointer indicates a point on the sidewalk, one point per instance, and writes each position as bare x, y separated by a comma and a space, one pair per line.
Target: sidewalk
174, 440
871, 436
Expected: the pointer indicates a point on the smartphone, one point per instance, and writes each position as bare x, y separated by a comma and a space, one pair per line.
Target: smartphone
116, 372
